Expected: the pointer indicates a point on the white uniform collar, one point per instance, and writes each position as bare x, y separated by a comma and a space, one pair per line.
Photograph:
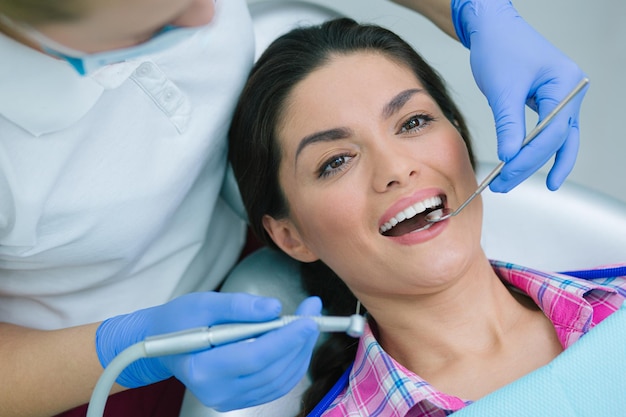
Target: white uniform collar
43, 95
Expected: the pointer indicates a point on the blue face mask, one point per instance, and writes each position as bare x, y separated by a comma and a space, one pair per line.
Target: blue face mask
85, 63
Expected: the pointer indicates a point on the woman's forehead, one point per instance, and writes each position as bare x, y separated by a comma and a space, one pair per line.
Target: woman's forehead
358, 80
350, 77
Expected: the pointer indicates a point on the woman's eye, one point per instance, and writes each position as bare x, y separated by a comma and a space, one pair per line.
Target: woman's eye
334, 165
415, 123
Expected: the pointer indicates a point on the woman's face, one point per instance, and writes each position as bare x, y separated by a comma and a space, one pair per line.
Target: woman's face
362, 142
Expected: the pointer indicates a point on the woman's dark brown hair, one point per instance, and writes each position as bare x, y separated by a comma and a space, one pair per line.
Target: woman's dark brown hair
255, 154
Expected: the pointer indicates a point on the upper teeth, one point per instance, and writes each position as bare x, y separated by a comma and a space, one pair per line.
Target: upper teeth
411, 211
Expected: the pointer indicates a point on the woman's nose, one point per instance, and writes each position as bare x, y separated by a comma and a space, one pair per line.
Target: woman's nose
392, 168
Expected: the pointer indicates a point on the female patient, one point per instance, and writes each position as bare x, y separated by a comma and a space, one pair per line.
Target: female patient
344, 138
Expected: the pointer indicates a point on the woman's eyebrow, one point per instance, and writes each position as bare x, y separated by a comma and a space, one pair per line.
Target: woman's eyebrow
398, 101
324, 136
390, 108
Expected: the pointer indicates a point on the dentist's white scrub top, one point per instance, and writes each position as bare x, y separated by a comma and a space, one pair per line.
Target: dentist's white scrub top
109, 184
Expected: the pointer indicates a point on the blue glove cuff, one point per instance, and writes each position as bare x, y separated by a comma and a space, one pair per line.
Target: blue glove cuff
456, 8
118, 333
468, 16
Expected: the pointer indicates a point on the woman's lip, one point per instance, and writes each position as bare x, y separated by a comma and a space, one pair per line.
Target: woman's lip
408, 201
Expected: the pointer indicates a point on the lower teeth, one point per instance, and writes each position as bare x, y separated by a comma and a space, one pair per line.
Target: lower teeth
435, 214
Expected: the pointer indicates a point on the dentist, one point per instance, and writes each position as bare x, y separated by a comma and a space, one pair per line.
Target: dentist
113, 228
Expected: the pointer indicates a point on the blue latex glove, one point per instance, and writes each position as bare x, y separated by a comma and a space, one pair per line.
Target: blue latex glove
514, 65
226, 377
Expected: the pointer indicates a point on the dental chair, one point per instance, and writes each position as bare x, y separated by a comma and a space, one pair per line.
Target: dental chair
573, 228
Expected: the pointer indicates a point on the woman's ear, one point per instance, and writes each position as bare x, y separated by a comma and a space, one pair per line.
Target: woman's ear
287, 238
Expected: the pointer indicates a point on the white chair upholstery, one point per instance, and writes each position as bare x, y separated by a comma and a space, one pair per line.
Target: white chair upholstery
573, 228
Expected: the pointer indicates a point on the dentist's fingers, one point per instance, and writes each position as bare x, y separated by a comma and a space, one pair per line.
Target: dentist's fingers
560, 137
249, 373
564, 159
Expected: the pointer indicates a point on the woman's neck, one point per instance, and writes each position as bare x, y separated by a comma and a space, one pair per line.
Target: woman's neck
474, 304
455, 335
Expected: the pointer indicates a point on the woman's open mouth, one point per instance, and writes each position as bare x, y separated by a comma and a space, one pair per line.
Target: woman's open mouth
412, 218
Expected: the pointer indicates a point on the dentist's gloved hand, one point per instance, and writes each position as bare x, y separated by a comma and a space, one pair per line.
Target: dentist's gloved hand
514, 65
226, 377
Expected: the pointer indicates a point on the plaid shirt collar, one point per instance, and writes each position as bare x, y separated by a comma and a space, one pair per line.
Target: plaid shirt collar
380, 386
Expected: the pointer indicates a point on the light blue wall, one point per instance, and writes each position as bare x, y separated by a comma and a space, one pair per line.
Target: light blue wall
592, 33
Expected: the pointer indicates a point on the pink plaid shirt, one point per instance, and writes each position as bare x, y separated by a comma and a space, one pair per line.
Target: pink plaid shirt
380, 386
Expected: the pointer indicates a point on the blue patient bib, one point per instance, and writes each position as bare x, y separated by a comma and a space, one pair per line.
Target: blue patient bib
588, 379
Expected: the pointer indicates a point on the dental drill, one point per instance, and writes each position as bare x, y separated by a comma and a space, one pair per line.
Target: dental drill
201, 338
